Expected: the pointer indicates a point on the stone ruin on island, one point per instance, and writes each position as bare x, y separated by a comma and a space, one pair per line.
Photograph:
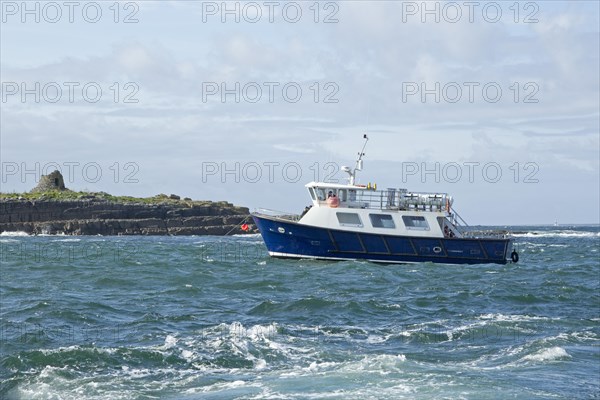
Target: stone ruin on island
53, 181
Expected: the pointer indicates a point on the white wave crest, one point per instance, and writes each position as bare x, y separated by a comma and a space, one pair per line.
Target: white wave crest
551, 354
512, 317
564, 234
17, 233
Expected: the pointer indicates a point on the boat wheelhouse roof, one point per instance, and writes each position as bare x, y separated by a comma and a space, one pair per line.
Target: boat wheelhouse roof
335, 186
373, 189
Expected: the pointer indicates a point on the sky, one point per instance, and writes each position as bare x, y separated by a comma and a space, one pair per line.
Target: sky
496, 103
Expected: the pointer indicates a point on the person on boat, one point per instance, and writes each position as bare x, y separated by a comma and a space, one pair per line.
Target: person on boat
333, 201
305, 210
447, 232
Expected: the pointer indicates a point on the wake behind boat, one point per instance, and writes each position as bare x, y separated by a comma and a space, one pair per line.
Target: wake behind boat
359, 222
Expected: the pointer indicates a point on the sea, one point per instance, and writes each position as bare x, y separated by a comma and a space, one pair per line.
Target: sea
206, 317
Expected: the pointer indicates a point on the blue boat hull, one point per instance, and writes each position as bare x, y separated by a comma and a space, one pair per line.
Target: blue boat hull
287, 239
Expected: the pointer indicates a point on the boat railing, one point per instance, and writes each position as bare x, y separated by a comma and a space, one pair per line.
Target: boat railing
458, 220
278, 214
396, 199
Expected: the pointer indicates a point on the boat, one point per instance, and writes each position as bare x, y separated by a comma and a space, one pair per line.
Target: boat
361, 222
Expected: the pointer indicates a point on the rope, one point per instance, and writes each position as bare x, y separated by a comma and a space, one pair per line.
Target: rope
235, 226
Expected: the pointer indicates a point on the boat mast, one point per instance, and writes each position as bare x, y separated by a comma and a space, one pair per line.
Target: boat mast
359, 162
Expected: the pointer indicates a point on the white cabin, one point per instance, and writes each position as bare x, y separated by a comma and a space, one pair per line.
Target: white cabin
363, 208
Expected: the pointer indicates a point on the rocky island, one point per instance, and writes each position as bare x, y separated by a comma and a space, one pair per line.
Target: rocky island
51, 208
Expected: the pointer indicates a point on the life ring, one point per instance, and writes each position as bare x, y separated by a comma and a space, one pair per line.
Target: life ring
514, 256
333, 202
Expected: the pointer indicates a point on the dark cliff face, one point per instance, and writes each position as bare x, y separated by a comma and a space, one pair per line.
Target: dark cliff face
103, 217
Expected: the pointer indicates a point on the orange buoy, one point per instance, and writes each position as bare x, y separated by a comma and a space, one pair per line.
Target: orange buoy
245, 227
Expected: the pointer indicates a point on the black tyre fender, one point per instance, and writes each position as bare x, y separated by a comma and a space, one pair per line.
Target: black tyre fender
514, 256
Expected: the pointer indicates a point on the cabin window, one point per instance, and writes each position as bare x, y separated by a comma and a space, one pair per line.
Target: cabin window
415, 223
352, 194
382, 221
322, 194
342, 195
312, 193
349, 219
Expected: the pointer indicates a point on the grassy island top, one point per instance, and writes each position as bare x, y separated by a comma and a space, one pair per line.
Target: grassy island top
60, 195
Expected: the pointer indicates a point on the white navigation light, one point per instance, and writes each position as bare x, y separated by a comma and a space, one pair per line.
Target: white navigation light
359, 165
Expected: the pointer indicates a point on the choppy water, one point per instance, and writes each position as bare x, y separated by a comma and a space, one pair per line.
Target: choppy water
216, 318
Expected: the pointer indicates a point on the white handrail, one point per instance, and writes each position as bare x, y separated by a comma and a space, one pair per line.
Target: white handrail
278, 214
398, 200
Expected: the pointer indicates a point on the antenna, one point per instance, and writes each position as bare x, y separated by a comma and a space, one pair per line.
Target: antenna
359, 162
